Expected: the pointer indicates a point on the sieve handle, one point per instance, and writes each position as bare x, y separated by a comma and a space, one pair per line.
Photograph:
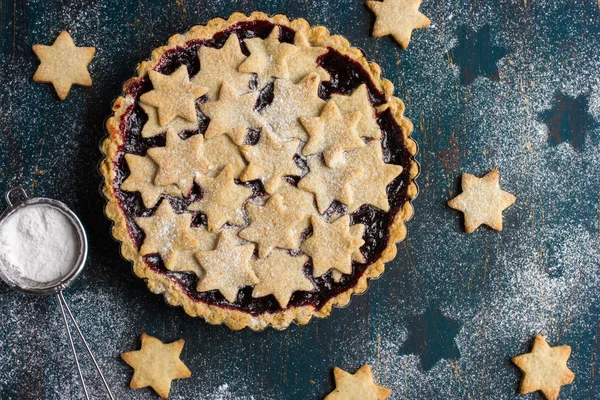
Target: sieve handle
15, 196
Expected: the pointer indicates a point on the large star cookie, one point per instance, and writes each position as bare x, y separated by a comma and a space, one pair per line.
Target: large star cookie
482, 201
359, 386
397, 18
63, 64
545, 368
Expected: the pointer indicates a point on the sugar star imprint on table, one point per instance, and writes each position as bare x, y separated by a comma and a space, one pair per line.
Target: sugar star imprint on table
482, 201
359, 102
304, 61
545, 368
280, 274
270, 160
290, 102
268, 57
141, 179
186, 260
179, 161
334, 246
173, 95
152, 126
232, 114
329, 184
221, 151
222, 200
359, 386
299, 201
63, 64
167, 233
271, 226
332, 133
397, 18
221, 65
156, 365
370, 187
227, 268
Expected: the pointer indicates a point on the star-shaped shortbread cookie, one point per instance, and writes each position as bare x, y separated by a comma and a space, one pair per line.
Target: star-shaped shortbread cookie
233, 114
359, 386
152, 126
186, 260
156, 365
270, 160
332, 133
271, 226
290, 103
268, 57
359, 102
227, 267
180, 161
63, 64
397, 18
221, 151
222, 200
482, 201
329, 184
333, 246
304, 61
370, 187
300, 201
141, 179
280, 274
167, 233
220, 65
173, 95
545, 368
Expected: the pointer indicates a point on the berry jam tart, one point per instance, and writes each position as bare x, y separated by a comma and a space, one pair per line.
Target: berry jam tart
258, 171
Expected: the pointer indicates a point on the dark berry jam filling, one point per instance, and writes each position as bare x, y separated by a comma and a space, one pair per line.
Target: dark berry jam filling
346, 75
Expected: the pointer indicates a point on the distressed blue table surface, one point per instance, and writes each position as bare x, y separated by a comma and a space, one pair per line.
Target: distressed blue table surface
506, 84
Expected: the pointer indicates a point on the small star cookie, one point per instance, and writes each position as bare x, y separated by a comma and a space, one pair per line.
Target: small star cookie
332, 133
221, 151
545, 368
227, 268
280, 274
397, 18
271, 226
482, 201
173, 95
186, 260
222, 200
152, 126
141, 179
359, 102
270, 160
268, 57
300, 201
232, 114
167, 233
333, 246
304, 61
359, 386
63, 64
156, 365
290, 102
179, 161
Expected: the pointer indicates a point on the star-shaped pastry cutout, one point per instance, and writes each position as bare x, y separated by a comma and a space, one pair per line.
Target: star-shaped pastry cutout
222, 200
156, 365
482, 201
270, 160
290, 102
280, 274
370, 187
221, 151
232, 114
179, 161
63, 64
304, 61
359, 102
227, 267
221, 65
186, 260
397, 18
332, 246
359, 386
268, 57
332, 133
173, 95
300, 201
271, 226
166, 233
545, 368
152, 126
141, 179
329, 184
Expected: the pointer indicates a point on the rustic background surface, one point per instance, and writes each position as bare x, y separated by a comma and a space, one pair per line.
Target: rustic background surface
507, 84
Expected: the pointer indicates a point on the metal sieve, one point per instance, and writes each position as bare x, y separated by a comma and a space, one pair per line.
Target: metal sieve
17, 199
